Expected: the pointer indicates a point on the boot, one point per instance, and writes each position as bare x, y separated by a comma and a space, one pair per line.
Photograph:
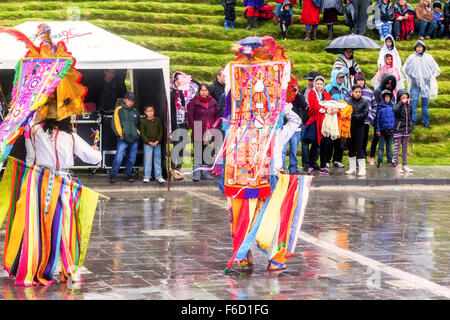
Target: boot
308, 35
352, 165
231, 24
255, 22
249, 21
314, 34
330, 35
225, 24
362, 167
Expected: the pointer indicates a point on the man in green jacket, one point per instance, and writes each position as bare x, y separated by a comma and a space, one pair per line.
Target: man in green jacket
125, 125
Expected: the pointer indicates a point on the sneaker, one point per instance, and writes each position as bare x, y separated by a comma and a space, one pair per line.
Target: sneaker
371, 161
328, 165
112, 179
378, 164
129, 179
407, 169
390, 165
310, 171
398, 169
146, 180
161, 180
338, 164
325, 172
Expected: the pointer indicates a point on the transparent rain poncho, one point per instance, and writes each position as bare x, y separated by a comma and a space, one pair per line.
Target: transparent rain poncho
421, 71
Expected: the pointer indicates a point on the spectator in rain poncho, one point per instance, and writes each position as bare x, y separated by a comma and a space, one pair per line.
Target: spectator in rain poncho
346, 61
389, 47
421, 71
391, 68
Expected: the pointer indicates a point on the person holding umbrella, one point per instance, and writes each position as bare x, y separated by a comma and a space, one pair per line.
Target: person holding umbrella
346, 62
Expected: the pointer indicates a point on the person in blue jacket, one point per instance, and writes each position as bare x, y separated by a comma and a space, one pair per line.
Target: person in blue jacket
385, 128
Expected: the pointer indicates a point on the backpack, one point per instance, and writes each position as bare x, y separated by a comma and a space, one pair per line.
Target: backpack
266, 12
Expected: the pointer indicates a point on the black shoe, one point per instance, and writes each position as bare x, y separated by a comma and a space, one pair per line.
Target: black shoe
378, 165
129, 179
426, 126
112, 179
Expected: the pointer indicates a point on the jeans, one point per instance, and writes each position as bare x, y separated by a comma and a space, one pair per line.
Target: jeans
414, 93
425, 28
384, 28
390, 154
361, 16
131, 151
150, 154
293, 147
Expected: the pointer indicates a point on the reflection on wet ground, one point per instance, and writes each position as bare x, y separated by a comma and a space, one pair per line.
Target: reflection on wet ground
354, 244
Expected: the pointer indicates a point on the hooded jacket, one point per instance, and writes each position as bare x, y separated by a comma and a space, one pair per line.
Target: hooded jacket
383, 85
285, 15
316, 112
403, 115
258, 4
424, 13
337, 92
386, 13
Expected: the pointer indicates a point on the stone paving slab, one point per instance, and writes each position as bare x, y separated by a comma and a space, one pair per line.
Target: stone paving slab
384, 176
175, 245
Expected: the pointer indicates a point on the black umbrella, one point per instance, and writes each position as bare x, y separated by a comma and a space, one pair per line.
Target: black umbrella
351, 41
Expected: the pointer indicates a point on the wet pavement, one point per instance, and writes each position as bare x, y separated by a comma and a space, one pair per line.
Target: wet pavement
355, 243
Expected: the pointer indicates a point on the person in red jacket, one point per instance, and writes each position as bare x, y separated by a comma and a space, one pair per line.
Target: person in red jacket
202, 113
310, 18
403, 20
317, 114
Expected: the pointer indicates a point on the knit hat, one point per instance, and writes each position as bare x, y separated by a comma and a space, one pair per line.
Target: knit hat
437, 4
360, 76
385, 92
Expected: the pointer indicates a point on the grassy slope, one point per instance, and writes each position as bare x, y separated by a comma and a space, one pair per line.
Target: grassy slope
191, 33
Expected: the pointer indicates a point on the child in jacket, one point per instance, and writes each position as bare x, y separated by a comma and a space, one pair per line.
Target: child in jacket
403, 129
385, 128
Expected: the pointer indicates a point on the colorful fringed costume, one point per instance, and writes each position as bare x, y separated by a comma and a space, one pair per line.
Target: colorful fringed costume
263, 206
45, 72
48, 215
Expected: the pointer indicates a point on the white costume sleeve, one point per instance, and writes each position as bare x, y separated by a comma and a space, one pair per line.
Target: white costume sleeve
31, 153
283, 136
85, 152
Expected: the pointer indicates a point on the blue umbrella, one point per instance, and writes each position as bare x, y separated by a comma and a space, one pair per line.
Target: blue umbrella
252, 42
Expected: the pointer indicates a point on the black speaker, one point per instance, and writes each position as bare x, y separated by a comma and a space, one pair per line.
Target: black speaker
86, 126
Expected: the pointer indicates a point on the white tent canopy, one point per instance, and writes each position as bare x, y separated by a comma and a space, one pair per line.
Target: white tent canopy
91, 46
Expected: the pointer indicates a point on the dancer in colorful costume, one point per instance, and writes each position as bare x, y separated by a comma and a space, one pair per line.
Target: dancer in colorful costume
48, 214
265, 204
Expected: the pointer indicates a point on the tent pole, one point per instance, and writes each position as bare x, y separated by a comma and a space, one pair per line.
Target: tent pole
132, 80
